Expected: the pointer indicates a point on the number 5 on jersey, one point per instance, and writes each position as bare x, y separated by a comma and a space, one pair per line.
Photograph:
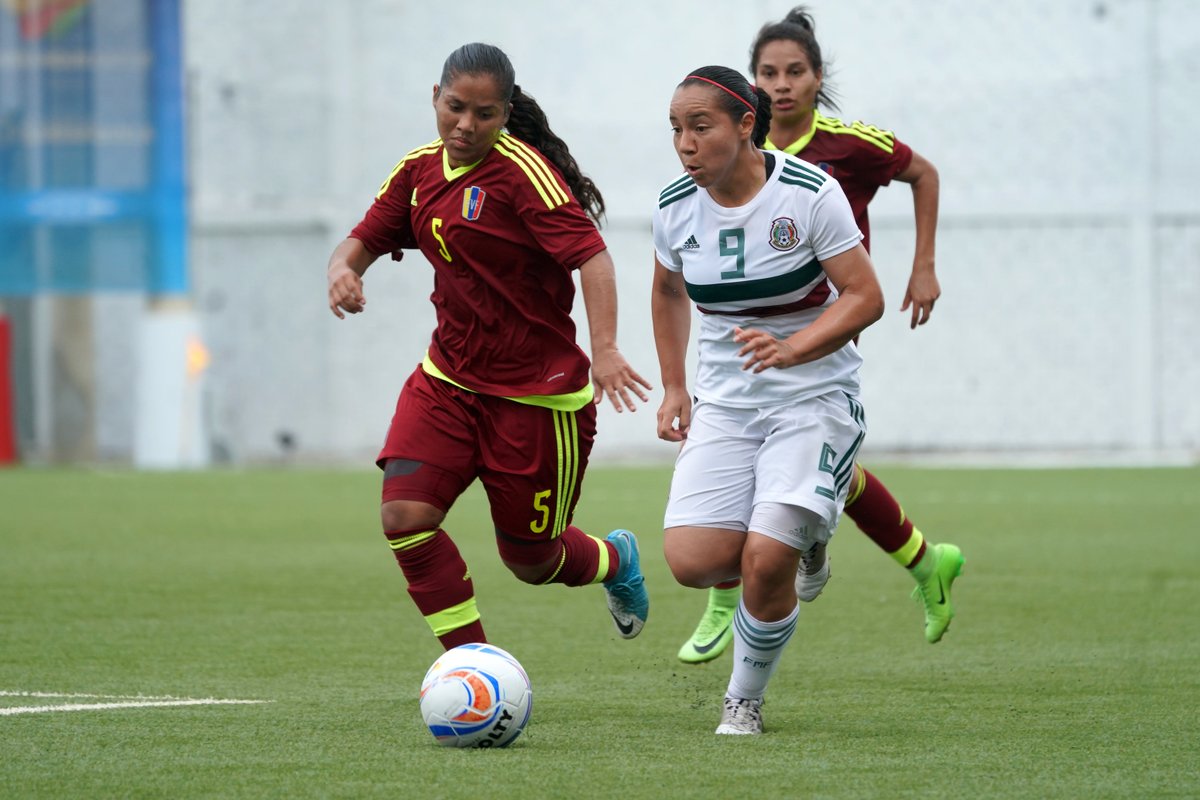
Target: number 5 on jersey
437, 223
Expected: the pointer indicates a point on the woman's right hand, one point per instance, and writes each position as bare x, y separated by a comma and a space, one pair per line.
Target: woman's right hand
345, 291
675, 414
346, 267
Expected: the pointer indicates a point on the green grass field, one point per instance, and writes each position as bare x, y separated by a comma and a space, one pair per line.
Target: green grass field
1072, 668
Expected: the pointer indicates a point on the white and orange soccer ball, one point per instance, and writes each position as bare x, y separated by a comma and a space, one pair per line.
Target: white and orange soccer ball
476, 695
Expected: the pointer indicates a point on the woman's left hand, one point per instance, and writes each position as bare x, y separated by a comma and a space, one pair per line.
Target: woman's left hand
615, 379
765, 350
922, 292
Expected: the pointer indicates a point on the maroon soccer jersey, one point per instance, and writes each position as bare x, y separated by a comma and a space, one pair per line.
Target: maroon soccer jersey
862, 157
503, 237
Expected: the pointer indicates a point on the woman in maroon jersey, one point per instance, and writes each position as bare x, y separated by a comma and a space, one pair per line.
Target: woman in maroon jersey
786, 62
501, 210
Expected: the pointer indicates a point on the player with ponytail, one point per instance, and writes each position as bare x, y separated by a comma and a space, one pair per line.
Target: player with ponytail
786, 60
499, 208
766, 248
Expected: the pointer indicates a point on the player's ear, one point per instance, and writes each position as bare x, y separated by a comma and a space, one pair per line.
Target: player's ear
436, 91
507, 113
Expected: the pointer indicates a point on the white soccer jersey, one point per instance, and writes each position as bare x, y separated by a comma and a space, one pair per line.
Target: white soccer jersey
758, 266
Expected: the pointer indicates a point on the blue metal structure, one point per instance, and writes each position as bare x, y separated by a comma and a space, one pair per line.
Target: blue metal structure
92, 171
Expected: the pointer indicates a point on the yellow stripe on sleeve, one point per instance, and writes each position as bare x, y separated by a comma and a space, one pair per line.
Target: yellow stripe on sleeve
884, 140
539, 164
424, 150
552, 195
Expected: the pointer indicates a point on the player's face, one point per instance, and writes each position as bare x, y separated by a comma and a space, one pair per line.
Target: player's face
470, 113
786, 74
707, 140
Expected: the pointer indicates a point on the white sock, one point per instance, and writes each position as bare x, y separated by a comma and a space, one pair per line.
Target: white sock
757, 646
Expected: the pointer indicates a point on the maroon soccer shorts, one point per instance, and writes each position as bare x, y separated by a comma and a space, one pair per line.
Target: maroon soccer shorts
530, 459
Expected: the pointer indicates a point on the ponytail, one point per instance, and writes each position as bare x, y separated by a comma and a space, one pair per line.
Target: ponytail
762, 120
528, 122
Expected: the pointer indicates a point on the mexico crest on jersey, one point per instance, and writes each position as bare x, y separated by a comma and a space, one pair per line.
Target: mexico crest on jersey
473, 203
783, 234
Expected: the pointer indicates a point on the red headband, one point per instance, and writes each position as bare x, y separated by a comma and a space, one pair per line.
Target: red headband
724, 88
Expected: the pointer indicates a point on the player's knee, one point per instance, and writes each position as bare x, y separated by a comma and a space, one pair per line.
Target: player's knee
687, 575
530, 561
699, 567
405, 515
696, 573
762, 570
526, 573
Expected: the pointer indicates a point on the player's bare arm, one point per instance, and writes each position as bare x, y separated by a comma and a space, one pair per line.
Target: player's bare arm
612, 375
923, 289
859, 304
672, 315
347, 265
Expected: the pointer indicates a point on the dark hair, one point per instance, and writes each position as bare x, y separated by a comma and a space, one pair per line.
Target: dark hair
737, 97
527, 121
798, 26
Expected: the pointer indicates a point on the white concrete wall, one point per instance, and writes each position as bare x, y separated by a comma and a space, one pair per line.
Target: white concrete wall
1069, 247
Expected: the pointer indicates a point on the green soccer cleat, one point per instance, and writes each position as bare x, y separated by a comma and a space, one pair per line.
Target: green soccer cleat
934, 591
715, 631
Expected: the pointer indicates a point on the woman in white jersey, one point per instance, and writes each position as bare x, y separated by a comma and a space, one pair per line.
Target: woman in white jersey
766, 247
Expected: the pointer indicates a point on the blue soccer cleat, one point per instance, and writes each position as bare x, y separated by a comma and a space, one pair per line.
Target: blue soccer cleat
627, 599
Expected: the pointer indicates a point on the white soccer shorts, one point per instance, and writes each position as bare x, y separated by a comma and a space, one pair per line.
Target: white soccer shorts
799, 454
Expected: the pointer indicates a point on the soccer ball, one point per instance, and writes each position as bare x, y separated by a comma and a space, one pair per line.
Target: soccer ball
476, 695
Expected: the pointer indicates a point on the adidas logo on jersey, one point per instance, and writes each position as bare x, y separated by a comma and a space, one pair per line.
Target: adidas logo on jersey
691, 244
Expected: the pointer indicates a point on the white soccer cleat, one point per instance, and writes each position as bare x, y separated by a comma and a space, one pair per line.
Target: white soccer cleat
813, 573
741, 717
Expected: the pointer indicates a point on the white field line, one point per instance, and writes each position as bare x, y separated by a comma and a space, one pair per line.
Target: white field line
5, 693
126, 704
124, 701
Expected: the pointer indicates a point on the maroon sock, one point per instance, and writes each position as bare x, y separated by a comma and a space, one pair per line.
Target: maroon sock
439, 583
877, 514
578, 561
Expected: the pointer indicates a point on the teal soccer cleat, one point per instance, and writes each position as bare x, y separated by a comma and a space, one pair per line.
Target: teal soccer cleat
627, 599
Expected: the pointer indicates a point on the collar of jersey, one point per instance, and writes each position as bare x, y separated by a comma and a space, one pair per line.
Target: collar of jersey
707, 199
795, 147
457, 172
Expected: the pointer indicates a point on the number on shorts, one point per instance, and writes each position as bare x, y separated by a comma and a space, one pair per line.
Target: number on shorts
538, 505
828, 456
